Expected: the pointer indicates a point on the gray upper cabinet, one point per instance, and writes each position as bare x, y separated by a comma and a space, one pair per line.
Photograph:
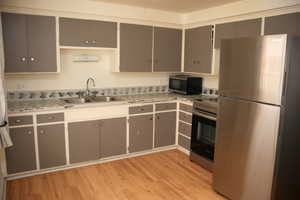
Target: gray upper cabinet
140, 133
51, 142
165, 129
15, 42
21, 156
245, 28
167, 50
29, 43
135, 48
87, 33
84, 141
112, 137
41, 33
282, 24
198, 50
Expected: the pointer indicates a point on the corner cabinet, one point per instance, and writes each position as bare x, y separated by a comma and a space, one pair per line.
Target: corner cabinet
246, 28
87, 33
283, 24
198, 50
29, 43
165, 129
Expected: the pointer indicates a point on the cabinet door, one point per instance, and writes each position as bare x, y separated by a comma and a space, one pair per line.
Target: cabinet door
51, 142
245, 28
198, 50
135, 48
21, 156
283, 24
167, 50
87, 33
84, 141
15, 42
140, 133
113, 137
42, 50
165, 129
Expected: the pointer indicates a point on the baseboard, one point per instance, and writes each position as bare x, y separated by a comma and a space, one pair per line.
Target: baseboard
183, 150
66, 167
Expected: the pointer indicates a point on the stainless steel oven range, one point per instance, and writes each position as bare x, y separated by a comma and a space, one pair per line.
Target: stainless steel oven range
204, 132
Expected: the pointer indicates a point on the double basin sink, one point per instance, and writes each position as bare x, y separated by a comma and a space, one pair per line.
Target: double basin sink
91, 99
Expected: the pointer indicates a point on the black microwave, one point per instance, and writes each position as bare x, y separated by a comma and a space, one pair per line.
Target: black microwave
187, 85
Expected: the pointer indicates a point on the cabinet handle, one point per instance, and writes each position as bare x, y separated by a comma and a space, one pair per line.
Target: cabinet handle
194, 62
151, 118
94, 41
142, 109
32, 59
86, 41
23, 59
50, 118
157, 117
18, 121
29, 133
42, 131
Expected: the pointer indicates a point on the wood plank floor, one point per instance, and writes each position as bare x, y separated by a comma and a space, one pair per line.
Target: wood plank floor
165, 175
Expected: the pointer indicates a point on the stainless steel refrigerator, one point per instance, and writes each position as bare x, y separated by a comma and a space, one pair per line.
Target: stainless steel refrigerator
257, 155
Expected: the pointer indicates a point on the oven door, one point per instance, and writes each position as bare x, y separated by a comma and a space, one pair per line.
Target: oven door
178, 85
203, 135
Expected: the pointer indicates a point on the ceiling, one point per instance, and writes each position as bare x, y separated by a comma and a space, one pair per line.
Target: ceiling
179, 6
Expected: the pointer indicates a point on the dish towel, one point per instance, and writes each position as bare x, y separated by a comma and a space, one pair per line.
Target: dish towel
5, 140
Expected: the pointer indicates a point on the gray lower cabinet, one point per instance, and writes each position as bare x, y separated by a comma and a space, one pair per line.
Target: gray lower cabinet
21, 156
51, 143
246, 28
113, 137
87, 33
135, 48
283, 24
198, 50
165, 129
167, 50
29, 43
140, 133
84, 141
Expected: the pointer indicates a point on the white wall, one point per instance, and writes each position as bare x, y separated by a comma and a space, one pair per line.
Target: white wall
74, 75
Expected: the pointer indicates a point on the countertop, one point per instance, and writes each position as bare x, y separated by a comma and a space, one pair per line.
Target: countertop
18, 106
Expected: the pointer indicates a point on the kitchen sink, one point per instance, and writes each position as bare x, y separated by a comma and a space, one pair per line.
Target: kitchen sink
90, 99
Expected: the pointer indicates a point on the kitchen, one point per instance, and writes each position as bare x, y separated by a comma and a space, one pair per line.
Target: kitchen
107, 99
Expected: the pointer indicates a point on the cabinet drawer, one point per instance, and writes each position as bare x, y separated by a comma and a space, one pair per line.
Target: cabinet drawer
165, 106
140, 109
48, 118
185, 117
185, 107
20, 120
184, 142
185, 129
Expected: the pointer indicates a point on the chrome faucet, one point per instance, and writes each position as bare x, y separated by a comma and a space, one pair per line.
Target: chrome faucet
88, 92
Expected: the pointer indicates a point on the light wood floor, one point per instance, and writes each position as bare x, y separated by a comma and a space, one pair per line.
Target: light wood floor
165, 175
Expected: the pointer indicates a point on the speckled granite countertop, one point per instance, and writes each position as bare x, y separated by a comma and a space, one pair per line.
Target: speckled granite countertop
56, 104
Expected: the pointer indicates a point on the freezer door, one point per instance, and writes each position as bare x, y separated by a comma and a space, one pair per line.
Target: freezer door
245, 149
253, 68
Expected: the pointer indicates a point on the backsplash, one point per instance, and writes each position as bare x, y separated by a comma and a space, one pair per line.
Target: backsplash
118, 91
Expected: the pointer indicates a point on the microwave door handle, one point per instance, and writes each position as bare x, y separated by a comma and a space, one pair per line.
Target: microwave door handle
204, 115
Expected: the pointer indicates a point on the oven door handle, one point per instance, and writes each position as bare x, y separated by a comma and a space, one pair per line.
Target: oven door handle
205, 115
